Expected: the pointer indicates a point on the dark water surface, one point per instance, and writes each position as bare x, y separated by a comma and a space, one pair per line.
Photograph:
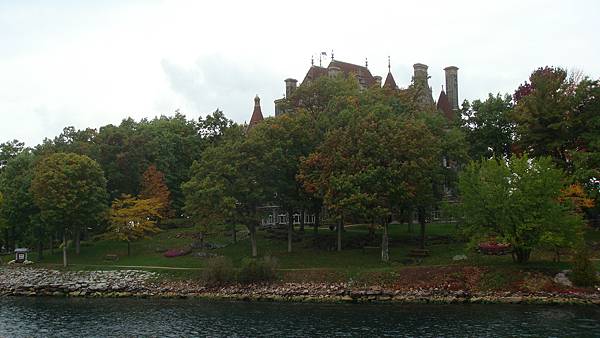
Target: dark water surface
55, 317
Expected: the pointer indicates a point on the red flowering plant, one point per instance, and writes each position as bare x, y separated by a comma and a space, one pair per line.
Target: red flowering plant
176, 252
492, 247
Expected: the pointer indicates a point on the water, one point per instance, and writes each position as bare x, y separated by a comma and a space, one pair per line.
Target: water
56, 317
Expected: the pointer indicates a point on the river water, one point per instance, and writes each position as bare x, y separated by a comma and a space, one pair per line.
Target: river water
80, 317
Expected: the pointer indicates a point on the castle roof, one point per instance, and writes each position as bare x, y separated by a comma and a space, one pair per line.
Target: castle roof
444, 105
314, 72
390, 82
257, 115
362, 73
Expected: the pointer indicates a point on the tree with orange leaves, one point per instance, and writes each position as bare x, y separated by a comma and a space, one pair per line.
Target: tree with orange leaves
154, 187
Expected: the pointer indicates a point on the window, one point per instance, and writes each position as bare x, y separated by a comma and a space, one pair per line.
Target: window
296, 218
282, 218
270, 219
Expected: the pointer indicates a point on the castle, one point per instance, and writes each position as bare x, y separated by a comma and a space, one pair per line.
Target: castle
447, 104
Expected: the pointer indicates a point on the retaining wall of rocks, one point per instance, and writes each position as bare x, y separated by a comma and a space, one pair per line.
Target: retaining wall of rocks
26, 281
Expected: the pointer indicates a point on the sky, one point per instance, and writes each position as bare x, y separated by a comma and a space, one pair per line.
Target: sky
93, 63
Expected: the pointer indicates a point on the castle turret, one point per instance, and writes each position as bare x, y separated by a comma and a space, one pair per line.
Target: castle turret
290, 86
257, 115
452, 86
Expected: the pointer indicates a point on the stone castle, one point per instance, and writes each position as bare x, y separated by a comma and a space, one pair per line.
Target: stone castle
447, 102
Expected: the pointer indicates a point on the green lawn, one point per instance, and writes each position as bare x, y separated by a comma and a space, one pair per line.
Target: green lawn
443, 243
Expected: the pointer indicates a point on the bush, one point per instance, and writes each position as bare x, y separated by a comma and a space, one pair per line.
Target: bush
584, 273
176, 252
258, 270
219, 270
493, 248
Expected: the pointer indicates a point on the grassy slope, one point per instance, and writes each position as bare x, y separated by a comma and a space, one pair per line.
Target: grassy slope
304, 256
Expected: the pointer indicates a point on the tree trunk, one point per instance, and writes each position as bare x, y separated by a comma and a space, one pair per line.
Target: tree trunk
339, 234
302, 221
234, 234
385, 252
77, 241
253, 240
521, 255
290, 230
421, 216
40, 250
317, 222
65, 249
52, 245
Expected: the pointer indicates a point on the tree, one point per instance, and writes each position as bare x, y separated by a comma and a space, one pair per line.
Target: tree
517, 201
545, 112
70, 191
225, 186
154, 187
371, 167
9, 150
132, 219
488, 127
280, 143
19, 209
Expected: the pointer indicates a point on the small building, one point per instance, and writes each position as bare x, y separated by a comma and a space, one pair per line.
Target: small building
21, 255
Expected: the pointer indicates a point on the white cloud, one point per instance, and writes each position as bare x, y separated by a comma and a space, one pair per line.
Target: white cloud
89, 64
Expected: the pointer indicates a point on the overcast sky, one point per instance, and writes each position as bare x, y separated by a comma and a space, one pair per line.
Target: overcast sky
89, 64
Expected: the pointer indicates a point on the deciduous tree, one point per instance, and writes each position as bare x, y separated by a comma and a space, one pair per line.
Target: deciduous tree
70, 191
132, 219
517, 201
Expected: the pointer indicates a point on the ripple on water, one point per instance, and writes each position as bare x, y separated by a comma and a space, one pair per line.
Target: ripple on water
42, 317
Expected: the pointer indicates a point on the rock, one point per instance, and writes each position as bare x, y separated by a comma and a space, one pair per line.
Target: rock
562, 279
459, 258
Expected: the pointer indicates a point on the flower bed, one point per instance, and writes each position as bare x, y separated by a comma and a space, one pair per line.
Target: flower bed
176, 252
494, 248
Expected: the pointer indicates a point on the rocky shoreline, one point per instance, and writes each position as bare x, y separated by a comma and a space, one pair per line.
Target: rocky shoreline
27, 281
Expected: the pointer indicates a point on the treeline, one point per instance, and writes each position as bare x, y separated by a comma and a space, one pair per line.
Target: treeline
127, 160
361, 155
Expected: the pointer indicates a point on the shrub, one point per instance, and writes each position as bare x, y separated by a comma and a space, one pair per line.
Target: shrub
176, 252
493, 248
258, 270
584, 273
498, 280
219, 270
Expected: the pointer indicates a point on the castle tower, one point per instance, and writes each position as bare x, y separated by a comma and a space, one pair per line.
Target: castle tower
452, 86
290, 86
421, 80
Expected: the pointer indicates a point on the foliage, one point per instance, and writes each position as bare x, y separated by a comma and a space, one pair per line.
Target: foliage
18, 210
70, 191
584, 272
258, 270
154, 187
132, 219
488, 127
225, 186
219, 270
370, 167
517, 201
9, 150
497, 280
176, 252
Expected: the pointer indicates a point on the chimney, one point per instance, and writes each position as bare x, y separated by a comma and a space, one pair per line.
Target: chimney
290, 86
452, 86
333, 71
420, 76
